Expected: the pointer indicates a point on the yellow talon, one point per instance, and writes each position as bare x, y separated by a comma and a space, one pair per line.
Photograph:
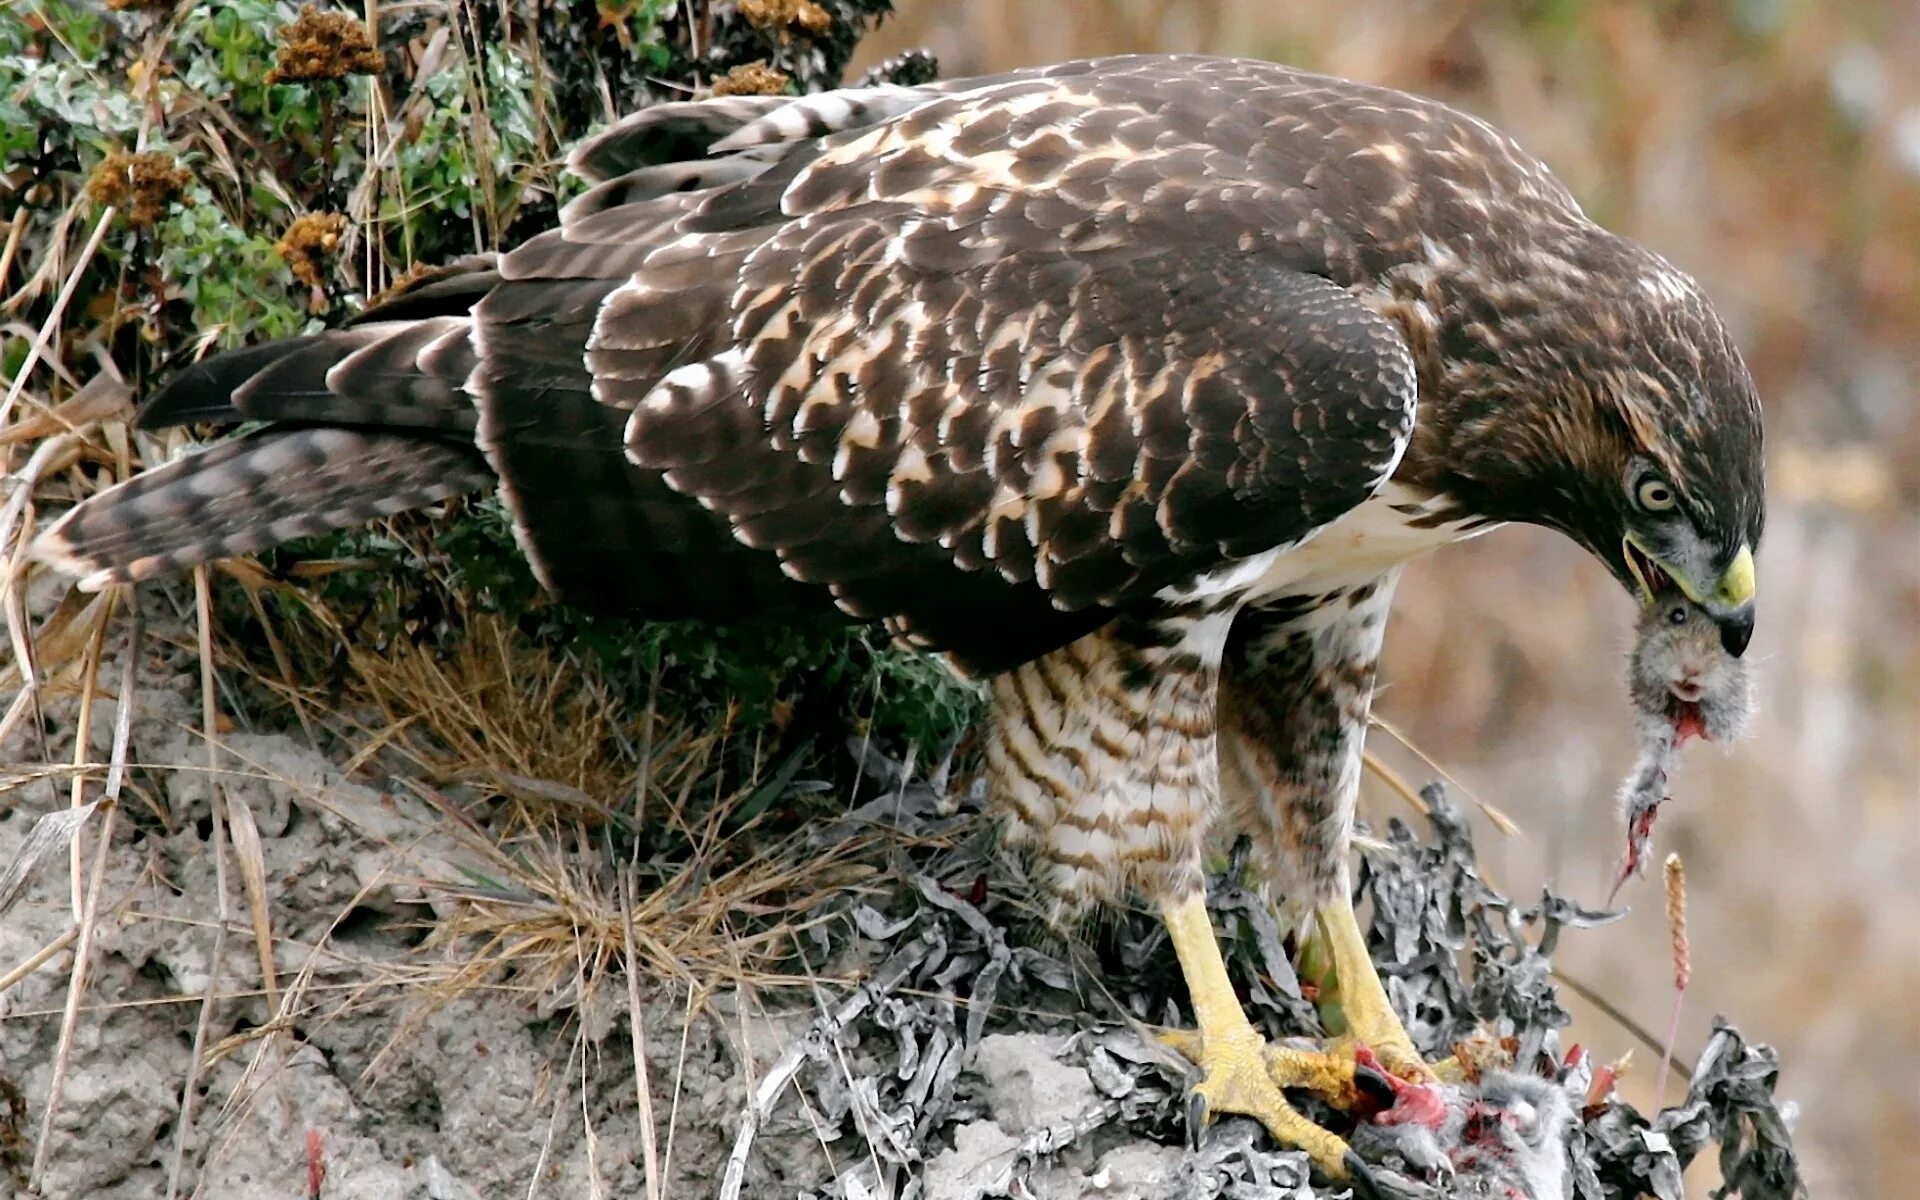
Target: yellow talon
1341, 948
1330, 1076
1239, 1071
1238, 1075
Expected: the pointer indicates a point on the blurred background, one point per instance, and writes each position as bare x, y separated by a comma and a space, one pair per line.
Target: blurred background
1772, 149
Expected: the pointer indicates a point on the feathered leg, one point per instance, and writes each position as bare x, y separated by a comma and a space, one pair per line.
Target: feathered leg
1103, 759
1295, 694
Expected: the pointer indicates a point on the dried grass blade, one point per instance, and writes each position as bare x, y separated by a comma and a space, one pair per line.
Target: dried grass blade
38, 347
252, 860
49, 456
637, 1031
50, 834
203, 606
38, 959
1501, 821
1394, 781
63, 635
90, 907
82, 744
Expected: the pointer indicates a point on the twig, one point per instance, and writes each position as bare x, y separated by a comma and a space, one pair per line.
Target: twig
203, 605
825, 1029
637, 1032
90, 908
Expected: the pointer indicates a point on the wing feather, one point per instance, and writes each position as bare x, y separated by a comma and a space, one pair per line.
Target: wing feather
989, 361
1067, 387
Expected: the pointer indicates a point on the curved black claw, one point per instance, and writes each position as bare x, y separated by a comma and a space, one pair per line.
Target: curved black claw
1360, 1175
1373, 1085
1196, 1120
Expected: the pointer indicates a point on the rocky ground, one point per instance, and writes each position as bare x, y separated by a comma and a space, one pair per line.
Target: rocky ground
946, 1048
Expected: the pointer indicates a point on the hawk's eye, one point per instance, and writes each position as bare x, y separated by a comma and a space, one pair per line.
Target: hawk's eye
1654, 495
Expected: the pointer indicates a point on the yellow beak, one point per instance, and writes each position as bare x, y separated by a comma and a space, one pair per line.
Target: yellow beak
1737, 585
1735, 590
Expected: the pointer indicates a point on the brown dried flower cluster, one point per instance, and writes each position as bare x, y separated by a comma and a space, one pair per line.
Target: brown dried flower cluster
782, 15
142, 186
319, 45
309, 242
752, 79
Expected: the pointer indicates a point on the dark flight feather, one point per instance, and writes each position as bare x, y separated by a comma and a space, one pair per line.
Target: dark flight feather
988, 360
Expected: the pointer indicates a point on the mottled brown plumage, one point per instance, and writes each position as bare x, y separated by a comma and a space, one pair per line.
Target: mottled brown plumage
1129, 383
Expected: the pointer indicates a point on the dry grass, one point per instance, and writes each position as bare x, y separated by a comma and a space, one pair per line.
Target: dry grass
1811, 237
605, 862
586, 876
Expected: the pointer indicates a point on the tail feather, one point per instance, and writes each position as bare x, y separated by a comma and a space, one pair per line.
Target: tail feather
396, 373
203, 392
252, 493
367, 375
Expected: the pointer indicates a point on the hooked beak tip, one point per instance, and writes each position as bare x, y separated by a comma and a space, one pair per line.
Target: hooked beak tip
1736, 630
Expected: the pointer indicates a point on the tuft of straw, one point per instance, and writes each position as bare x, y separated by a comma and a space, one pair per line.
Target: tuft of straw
779, 16
144, 186
309, 242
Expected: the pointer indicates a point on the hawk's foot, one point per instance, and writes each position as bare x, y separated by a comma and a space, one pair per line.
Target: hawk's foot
1338, 961
1342, 1078
1238, 1068
1240, 1072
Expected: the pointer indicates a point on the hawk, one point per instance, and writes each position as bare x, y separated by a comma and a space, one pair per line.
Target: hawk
1126, 385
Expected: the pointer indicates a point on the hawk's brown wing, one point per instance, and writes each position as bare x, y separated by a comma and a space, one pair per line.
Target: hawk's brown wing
990, 396
986, 362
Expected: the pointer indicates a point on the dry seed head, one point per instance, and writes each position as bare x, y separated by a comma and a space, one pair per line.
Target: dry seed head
1677, 921
317, 45
309, 242
142, 186
752, 79
779, 15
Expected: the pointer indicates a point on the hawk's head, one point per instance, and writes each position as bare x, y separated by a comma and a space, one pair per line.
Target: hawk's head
1595, 391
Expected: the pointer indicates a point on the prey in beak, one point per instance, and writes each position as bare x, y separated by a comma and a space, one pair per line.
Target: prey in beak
1685, 683
1727, 600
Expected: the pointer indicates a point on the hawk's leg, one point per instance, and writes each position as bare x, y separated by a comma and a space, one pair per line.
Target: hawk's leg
1240, 1072
1103, 759
1296, 688
1363, 1003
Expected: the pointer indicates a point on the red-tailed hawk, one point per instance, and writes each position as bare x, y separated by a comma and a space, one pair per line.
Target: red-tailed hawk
1129, 384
